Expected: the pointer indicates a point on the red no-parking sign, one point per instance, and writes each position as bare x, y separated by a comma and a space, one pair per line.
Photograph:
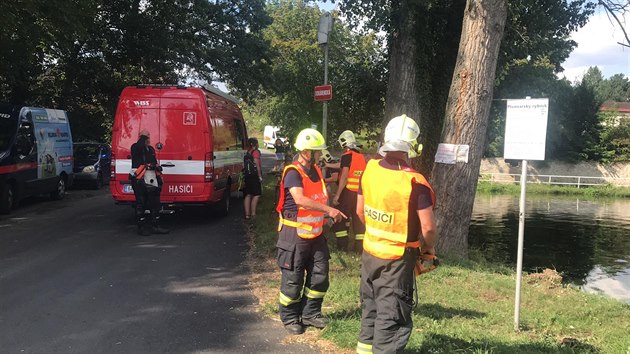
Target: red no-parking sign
323, 93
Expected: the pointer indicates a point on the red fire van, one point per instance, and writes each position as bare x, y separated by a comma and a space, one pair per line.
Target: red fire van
199, 136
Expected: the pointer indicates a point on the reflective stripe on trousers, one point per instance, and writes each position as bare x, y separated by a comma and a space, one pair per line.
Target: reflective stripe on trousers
286, 301
363, 348
312, 294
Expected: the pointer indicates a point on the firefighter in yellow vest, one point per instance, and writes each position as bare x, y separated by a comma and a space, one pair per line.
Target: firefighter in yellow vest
351, 168
396, 204
302, 250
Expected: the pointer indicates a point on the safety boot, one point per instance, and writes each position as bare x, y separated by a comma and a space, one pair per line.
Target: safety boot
294, 328
342, 243
155, 225
317, 321
159, 230
358, 246
144, 230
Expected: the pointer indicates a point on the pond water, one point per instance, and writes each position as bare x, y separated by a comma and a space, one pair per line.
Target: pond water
586, 241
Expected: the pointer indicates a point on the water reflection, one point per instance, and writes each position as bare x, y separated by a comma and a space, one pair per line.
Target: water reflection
588, 242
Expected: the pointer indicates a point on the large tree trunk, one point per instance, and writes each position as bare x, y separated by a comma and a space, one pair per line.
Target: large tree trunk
467, 111
420, 72
403, 96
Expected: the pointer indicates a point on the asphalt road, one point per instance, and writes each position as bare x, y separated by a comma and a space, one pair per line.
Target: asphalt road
75, 278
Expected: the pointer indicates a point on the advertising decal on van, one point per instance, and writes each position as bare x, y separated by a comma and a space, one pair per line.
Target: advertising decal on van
35, 153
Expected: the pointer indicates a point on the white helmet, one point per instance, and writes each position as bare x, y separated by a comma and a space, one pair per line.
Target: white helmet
347, 139
326, 156
400, 135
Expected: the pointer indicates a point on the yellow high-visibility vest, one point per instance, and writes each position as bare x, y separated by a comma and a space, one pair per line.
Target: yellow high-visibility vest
386, 195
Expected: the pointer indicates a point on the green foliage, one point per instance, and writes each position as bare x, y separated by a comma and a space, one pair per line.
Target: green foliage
576, 129
536, 30
78, 55
452, 314
541, 30
613, 133
356, 71
616, 88
614, 139
602, 191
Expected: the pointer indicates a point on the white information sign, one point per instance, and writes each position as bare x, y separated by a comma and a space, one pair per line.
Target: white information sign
526, 129
452, 153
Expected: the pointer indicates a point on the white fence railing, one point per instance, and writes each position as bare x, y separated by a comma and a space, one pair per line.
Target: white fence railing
577, 181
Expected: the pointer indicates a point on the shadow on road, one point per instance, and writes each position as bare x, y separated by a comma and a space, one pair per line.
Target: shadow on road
78, 279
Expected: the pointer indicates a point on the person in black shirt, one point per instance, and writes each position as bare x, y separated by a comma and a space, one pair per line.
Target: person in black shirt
279, 164
146, 180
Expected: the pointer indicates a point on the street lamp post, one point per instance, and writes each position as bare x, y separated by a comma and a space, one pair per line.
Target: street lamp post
323, 30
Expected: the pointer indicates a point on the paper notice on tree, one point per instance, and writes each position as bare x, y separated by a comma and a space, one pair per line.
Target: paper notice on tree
452, 153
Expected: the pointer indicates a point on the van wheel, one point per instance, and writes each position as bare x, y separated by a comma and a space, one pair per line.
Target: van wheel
7, 198
60, 192
223, 207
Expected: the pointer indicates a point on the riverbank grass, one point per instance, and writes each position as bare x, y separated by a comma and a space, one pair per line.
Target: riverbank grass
605, 190
463, 306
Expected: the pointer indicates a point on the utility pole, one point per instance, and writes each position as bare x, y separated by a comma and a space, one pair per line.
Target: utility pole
323, 30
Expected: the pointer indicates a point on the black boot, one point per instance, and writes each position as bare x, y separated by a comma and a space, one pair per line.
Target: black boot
144, 229
358, 246
155, 223
159, 230
294, 328
342, 243
318, 321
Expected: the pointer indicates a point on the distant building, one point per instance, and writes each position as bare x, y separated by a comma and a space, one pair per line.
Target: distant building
621, 112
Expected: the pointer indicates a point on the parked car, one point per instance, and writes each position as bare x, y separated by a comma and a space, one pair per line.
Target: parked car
35, 154
199, 137
92, 164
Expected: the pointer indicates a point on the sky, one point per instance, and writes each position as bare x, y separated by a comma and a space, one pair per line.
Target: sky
597, 46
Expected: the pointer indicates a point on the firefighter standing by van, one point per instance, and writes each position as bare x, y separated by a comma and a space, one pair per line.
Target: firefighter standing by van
396, 204
351, 168
302, 249
146, 181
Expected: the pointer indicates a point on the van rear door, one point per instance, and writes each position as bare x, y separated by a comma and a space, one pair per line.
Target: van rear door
182, 144
138, 110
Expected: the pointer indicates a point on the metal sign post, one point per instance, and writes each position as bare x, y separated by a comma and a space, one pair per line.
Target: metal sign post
325, 114
525, 136
519, 257
323, 30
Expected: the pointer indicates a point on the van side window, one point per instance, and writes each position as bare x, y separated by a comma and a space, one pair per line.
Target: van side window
240, 134
25, 142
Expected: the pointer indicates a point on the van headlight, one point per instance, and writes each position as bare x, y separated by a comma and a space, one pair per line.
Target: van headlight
88, 169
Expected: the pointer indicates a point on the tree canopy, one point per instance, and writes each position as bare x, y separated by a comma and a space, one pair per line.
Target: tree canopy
356, 70
78, 55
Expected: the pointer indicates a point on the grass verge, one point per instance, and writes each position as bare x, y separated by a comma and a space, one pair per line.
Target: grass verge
463, 307
606, 190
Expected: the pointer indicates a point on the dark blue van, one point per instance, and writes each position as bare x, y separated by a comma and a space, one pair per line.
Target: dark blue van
35, 154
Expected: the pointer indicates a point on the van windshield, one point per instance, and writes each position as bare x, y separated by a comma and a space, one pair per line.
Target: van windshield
8, 128
86, 153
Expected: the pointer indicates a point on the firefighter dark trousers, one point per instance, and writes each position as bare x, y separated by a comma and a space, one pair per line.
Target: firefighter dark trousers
387, 288
348, 206
304, 266
147, 204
